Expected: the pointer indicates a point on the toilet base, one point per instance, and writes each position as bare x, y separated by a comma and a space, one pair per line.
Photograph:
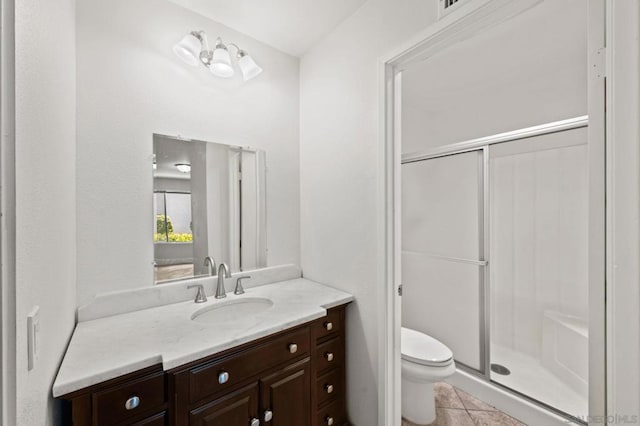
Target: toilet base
418, 402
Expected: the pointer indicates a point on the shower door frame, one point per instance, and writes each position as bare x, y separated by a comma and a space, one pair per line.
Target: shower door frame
466, 22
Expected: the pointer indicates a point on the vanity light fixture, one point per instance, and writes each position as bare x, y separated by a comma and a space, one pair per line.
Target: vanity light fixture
194, 48
183, 167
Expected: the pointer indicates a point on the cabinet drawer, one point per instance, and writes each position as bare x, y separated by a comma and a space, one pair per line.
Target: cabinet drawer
118, 403
330, 324
159, 419
224, 373
330, 354
331, 415
329, 386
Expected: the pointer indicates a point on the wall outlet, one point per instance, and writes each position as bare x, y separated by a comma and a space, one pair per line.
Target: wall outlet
33, 329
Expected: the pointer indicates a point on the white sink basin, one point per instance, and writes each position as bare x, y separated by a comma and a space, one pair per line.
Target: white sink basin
235, 311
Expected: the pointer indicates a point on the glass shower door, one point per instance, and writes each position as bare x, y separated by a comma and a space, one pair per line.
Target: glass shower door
539, 283
442, 252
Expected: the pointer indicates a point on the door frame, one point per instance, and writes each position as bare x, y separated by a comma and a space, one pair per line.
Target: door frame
463, 23
8, 333
617, 66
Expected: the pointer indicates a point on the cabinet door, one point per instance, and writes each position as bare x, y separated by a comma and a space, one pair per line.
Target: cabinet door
286, 396
234, 409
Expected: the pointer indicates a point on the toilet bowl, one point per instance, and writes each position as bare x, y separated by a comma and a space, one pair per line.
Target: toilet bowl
425, 361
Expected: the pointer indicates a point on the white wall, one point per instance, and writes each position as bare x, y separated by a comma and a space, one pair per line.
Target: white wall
527, 71
45, 195
340, 177
131, 85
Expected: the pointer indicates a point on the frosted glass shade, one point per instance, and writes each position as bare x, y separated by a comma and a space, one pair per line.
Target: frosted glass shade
188, 49
221, 63
248, 67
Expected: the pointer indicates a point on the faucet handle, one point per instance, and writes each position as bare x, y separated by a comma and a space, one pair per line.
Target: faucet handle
200, 296
239, 289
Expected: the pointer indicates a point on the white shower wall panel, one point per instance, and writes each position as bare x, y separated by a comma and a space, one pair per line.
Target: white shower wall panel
538, 242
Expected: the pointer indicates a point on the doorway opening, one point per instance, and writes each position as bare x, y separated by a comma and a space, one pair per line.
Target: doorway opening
491, 153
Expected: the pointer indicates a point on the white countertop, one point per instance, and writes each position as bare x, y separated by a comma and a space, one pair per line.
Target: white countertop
110, 347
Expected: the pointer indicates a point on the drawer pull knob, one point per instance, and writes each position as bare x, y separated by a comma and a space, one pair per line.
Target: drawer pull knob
293, 348
328, 326
329, 356
328, 388
223, 377
329, 420
132, 403
254, 422
268, 415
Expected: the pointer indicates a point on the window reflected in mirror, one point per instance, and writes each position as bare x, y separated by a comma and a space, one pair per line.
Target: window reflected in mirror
173, 217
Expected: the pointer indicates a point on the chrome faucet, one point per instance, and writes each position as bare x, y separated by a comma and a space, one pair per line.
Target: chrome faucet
212, 265
201, 297
223, 272
239, 289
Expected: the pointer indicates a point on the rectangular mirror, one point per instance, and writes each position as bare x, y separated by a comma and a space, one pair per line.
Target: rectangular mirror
208, 200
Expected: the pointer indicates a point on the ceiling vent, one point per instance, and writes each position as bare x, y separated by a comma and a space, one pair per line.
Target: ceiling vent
446, 6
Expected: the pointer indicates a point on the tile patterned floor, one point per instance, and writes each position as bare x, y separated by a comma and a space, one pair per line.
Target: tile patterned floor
455, 407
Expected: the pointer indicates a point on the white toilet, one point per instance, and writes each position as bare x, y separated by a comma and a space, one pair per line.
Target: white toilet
424, 362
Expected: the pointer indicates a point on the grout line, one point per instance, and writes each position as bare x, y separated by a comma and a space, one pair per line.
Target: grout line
476, 410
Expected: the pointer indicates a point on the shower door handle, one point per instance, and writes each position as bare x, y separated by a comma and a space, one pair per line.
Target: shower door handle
461, 260
451, 259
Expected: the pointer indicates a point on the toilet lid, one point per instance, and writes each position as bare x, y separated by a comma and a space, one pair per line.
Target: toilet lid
422, 349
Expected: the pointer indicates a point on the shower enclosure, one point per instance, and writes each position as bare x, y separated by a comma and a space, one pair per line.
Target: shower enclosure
494, 258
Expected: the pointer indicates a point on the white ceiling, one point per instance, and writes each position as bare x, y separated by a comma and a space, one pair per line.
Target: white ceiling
292, 26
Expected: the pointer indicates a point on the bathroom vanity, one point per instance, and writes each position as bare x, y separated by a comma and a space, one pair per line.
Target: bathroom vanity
290, 375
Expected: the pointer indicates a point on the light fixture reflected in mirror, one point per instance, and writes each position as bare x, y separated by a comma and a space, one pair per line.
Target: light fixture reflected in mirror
194, 47
183, 167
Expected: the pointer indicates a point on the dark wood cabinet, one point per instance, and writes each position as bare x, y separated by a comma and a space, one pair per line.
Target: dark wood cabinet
138, 398
159, 419
292, 378
286, 395
117, 403
328, 386
236, 408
